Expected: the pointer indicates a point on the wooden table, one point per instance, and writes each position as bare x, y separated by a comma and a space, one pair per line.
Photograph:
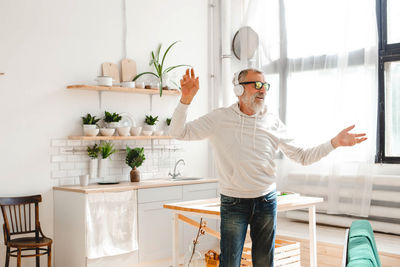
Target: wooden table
210, 208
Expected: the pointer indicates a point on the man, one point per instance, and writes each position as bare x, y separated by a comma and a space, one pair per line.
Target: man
245, 139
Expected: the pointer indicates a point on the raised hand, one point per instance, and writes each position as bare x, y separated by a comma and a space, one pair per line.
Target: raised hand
344, 138
189, 86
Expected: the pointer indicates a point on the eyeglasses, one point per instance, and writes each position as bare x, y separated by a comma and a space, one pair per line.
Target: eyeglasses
259, 85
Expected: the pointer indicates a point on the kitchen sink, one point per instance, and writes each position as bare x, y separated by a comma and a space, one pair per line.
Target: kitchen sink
186, 178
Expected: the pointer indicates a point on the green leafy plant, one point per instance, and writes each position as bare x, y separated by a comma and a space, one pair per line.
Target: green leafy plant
159, 66
88, 119
114, 117
150, 120
168, 121
107, 149
93, 151
134, 157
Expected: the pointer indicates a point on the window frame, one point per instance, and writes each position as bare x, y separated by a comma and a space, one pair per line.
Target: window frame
387, 53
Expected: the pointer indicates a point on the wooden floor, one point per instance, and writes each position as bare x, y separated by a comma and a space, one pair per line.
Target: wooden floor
329, 246
330, 241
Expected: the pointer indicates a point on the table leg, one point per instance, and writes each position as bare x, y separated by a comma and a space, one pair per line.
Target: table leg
175, 240
312, 233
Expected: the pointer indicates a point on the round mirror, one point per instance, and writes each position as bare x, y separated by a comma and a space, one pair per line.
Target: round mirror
245, 43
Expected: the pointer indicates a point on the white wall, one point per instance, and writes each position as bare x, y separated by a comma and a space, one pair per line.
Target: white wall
49, 44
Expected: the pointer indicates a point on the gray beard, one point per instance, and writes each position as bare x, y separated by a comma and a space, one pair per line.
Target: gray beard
250, 102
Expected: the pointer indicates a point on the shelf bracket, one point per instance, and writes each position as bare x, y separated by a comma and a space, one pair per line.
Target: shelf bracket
100, 97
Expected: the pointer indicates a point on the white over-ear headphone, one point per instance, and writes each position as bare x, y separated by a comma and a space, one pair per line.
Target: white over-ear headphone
237, 88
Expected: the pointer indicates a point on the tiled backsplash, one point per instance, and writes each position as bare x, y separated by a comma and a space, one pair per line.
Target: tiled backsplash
69, 159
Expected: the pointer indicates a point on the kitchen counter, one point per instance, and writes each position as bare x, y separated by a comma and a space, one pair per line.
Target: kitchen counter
125, 186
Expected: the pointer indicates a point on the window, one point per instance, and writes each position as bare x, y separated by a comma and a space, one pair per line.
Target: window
388, 147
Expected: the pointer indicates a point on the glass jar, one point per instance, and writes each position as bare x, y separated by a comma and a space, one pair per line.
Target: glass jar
193, 258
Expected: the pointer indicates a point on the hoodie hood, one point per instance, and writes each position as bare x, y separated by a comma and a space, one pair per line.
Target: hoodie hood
242, 117
235, 108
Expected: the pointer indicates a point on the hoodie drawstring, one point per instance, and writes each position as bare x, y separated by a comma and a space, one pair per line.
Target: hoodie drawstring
254, 133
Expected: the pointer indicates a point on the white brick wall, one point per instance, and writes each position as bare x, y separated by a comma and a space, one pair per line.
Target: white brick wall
67, 165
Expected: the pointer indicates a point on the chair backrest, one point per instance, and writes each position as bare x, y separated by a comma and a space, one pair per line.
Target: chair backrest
21, 215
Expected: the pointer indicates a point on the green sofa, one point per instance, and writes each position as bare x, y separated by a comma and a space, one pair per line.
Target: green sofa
361, 248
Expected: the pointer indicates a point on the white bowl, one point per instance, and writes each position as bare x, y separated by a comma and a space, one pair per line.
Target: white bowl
147, 133
135, 131
158, 132
129, 84
107, 131
90, 131
123, 131
139, 84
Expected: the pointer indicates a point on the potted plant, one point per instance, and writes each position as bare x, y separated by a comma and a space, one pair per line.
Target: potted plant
89, 125
106, 150
161, 72
134, 159
112, 119
93, 153
150, 122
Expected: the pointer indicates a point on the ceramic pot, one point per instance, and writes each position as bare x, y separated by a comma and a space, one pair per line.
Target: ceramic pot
93, 165
103, 167
135, 175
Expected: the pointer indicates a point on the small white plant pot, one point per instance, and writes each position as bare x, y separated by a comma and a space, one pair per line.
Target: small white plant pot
107, 131
93, 167
123, 131
90, 129
103, 167
158, 132
149, 128
113, 125
166, 130
135, 131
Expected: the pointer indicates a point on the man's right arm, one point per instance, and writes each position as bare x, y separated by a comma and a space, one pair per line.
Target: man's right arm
197, 129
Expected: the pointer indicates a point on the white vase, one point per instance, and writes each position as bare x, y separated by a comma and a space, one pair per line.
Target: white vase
103, 168
93, 166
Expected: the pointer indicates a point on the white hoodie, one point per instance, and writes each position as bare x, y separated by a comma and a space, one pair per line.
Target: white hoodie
244, 147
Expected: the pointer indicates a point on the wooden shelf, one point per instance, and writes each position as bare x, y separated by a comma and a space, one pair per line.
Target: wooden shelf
100, 138
1, 73
123, 89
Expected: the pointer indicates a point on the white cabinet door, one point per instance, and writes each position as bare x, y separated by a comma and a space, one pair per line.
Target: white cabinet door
155, 222
195, 192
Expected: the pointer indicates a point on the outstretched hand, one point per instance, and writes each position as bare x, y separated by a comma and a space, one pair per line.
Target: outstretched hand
344, 138
189, 86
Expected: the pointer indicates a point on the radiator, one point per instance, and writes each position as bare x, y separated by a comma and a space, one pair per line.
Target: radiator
383, 213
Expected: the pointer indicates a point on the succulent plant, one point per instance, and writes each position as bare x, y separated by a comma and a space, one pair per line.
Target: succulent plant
88, 119
150, 120
168, 121
114, 117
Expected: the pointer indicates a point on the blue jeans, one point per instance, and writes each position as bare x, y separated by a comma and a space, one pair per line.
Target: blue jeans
236, 214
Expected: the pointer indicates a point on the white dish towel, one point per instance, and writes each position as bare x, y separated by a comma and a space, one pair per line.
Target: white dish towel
111, 223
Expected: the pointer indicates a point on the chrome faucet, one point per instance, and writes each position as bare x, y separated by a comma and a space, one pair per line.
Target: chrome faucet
174, 175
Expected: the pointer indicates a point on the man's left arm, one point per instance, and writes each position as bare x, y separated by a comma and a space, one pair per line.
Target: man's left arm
306, 156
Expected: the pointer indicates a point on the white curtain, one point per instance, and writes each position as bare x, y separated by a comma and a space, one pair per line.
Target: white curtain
321, 60
111, 224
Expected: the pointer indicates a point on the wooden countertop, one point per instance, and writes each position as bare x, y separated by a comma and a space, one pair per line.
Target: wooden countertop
126, 186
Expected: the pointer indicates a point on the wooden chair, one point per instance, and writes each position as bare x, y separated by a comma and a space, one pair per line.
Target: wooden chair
21, 217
